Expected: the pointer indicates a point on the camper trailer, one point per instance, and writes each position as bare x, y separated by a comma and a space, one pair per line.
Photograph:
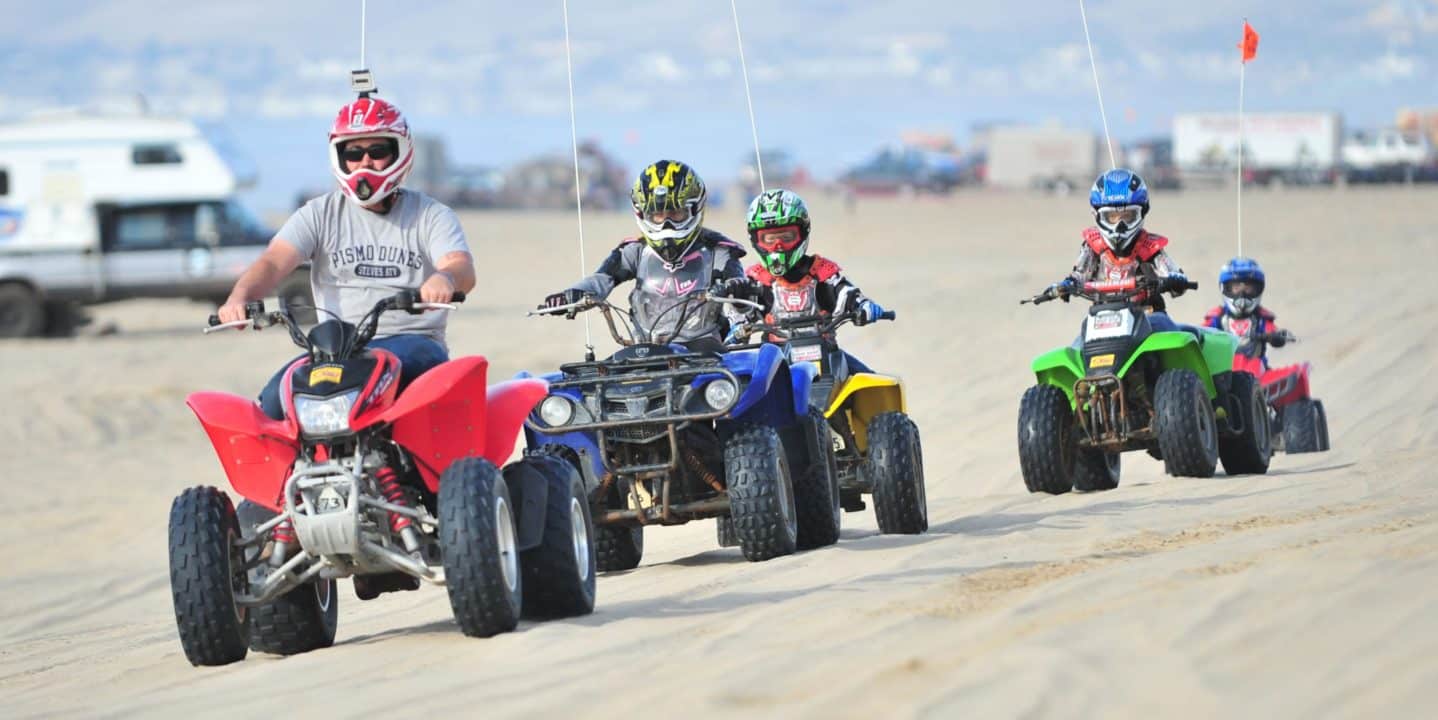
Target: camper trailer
101, 208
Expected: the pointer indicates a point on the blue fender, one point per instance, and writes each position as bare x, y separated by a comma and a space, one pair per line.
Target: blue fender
583, 443
768, 395
802, 378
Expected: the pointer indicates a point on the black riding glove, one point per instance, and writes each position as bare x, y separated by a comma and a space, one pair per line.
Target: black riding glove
562, 298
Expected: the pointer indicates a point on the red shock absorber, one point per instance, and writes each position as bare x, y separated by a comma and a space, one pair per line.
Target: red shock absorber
283, 533
389, 487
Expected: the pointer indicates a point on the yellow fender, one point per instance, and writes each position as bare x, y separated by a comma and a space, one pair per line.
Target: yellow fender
863, 396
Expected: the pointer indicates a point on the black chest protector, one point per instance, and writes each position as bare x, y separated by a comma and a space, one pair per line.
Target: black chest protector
664, 296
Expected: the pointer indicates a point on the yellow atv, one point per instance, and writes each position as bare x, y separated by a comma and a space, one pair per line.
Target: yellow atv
876, 445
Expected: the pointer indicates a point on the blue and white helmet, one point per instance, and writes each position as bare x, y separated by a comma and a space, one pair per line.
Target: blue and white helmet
1242, 281
1120, 203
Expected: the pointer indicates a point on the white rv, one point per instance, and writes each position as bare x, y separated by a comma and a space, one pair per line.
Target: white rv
99, 208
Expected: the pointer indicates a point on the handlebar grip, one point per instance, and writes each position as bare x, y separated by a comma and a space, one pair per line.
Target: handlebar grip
458, 297
214, 320
1191, 285
888, 315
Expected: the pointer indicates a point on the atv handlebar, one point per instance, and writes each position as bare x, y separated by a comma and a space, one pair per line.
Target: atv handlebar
257, 318
1113, 289
785, 328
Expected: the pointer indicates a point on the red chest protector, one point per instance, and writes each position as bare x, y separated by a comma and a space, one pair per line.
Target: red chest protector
799, 298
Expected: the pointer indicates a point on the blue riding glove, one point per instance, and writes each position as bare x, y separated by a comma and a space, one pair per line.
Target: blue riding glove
867, 312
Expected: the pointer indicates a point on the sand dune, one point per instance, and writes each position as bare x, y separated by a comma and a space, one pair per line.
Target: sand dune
1307, 591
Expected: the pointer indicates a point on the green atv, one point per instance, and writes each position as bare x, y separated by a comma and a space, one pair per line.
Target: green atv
1123, 386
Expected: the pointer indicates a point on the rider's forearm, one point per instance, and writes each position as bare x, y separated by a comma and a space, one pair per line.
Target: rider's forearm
459, 267
258, 280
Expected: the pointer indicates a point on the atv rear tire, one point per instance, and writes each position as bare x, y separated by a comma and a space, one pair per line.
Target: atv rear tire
1096, 470
1249, 451
1323, 445
895, 465
816, 483
724, 532
559, 572
206, 572
618, 547
299, 621
1047, 451
477, 543
1301, 428
1186, 428
761, 493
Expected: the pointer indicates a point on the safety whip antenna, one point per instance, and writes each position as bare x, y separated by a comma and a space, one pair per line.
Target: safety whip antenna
578, 192
1093, 63
361, 79
1247, 50
744, 69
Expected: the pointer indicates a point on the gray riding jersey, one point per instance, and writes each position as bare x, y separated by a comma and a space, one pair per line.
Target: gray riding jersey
359, 257
663, 295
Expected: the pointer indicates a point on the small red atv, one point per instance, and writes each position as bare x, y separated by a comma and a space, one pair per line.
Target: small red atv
390, 488
1300, 423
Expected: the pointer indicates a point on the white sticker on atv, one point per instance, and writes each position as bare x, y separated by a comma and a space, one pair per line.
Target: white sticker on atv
329, 501
1108, 324
805, 353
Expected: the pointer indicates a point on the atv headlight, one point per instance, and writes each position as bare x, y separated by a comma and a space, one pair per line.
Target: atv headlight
719, 393
325, 416
556, 411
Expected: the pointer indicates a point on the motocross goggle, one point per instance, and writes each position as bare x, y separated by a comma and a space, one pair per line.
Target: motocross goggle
1129, 215
1243, 289
674, 217
780, 239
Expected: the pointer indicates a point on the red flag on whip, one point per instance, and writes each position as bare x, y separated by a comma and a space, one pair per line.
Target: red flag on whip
1249, 46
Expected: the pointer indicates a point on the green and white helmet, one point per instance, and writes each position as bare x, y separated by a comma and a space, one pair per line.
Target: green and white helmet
779, 229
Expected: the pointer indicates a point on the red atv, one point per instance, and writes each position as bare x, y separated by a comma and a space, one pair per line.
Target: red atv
1300, 424
359, 480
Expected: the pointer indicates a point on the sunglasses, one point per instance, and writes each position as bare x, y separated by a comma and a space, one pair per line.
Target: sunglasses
381, 151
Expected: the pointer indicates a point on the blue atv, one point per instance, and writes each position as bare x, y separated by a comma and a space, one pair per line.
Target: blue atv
665, 434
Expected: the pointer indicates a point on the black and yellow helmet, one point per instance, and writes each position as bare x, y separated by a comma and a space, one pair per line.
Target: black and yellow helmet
668, 200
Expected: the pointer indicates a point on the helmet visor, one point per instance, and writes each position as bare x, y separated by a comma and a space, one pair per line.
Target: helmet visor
783, 239
1126, 214
1243, 288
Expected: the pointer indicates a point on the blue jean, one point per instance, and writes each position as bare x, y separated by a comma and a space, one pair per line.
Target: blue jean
417, 354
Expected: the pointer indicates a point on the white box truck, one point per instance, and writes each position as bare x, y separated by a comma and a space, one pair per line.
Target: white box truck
101, 208
1278, 148
1049, 158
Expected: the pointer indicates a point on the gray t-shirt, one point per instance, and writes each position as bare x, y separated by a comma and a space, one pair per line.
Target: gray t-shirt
359, 257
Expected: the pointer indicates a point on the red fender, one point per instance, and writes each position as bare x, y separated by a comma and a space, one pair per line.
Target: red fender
509, 404
440, 417
1287, 385
256, 452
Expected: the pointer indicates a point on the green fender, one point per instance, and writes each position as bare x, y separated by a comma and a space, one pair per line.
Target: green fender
1060, 367
1181, 349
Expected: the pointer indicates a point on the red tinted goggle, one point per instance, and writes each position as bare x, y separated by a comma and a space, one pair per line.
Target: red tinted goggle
777, 239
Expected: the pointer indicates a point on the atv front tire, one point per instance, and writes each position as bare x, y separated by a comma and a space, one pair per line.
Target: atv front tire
477, 543
1301, 432
1046, 441
1187, 430
896, 467
206, 572
761, 493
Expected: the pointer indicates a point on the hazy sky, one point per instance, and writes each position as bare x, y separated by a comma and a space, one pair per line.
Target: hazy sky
832, 79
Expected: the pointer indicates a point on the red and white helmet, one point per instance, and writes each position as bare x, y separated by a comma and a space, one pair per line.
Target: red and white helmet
371, 117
